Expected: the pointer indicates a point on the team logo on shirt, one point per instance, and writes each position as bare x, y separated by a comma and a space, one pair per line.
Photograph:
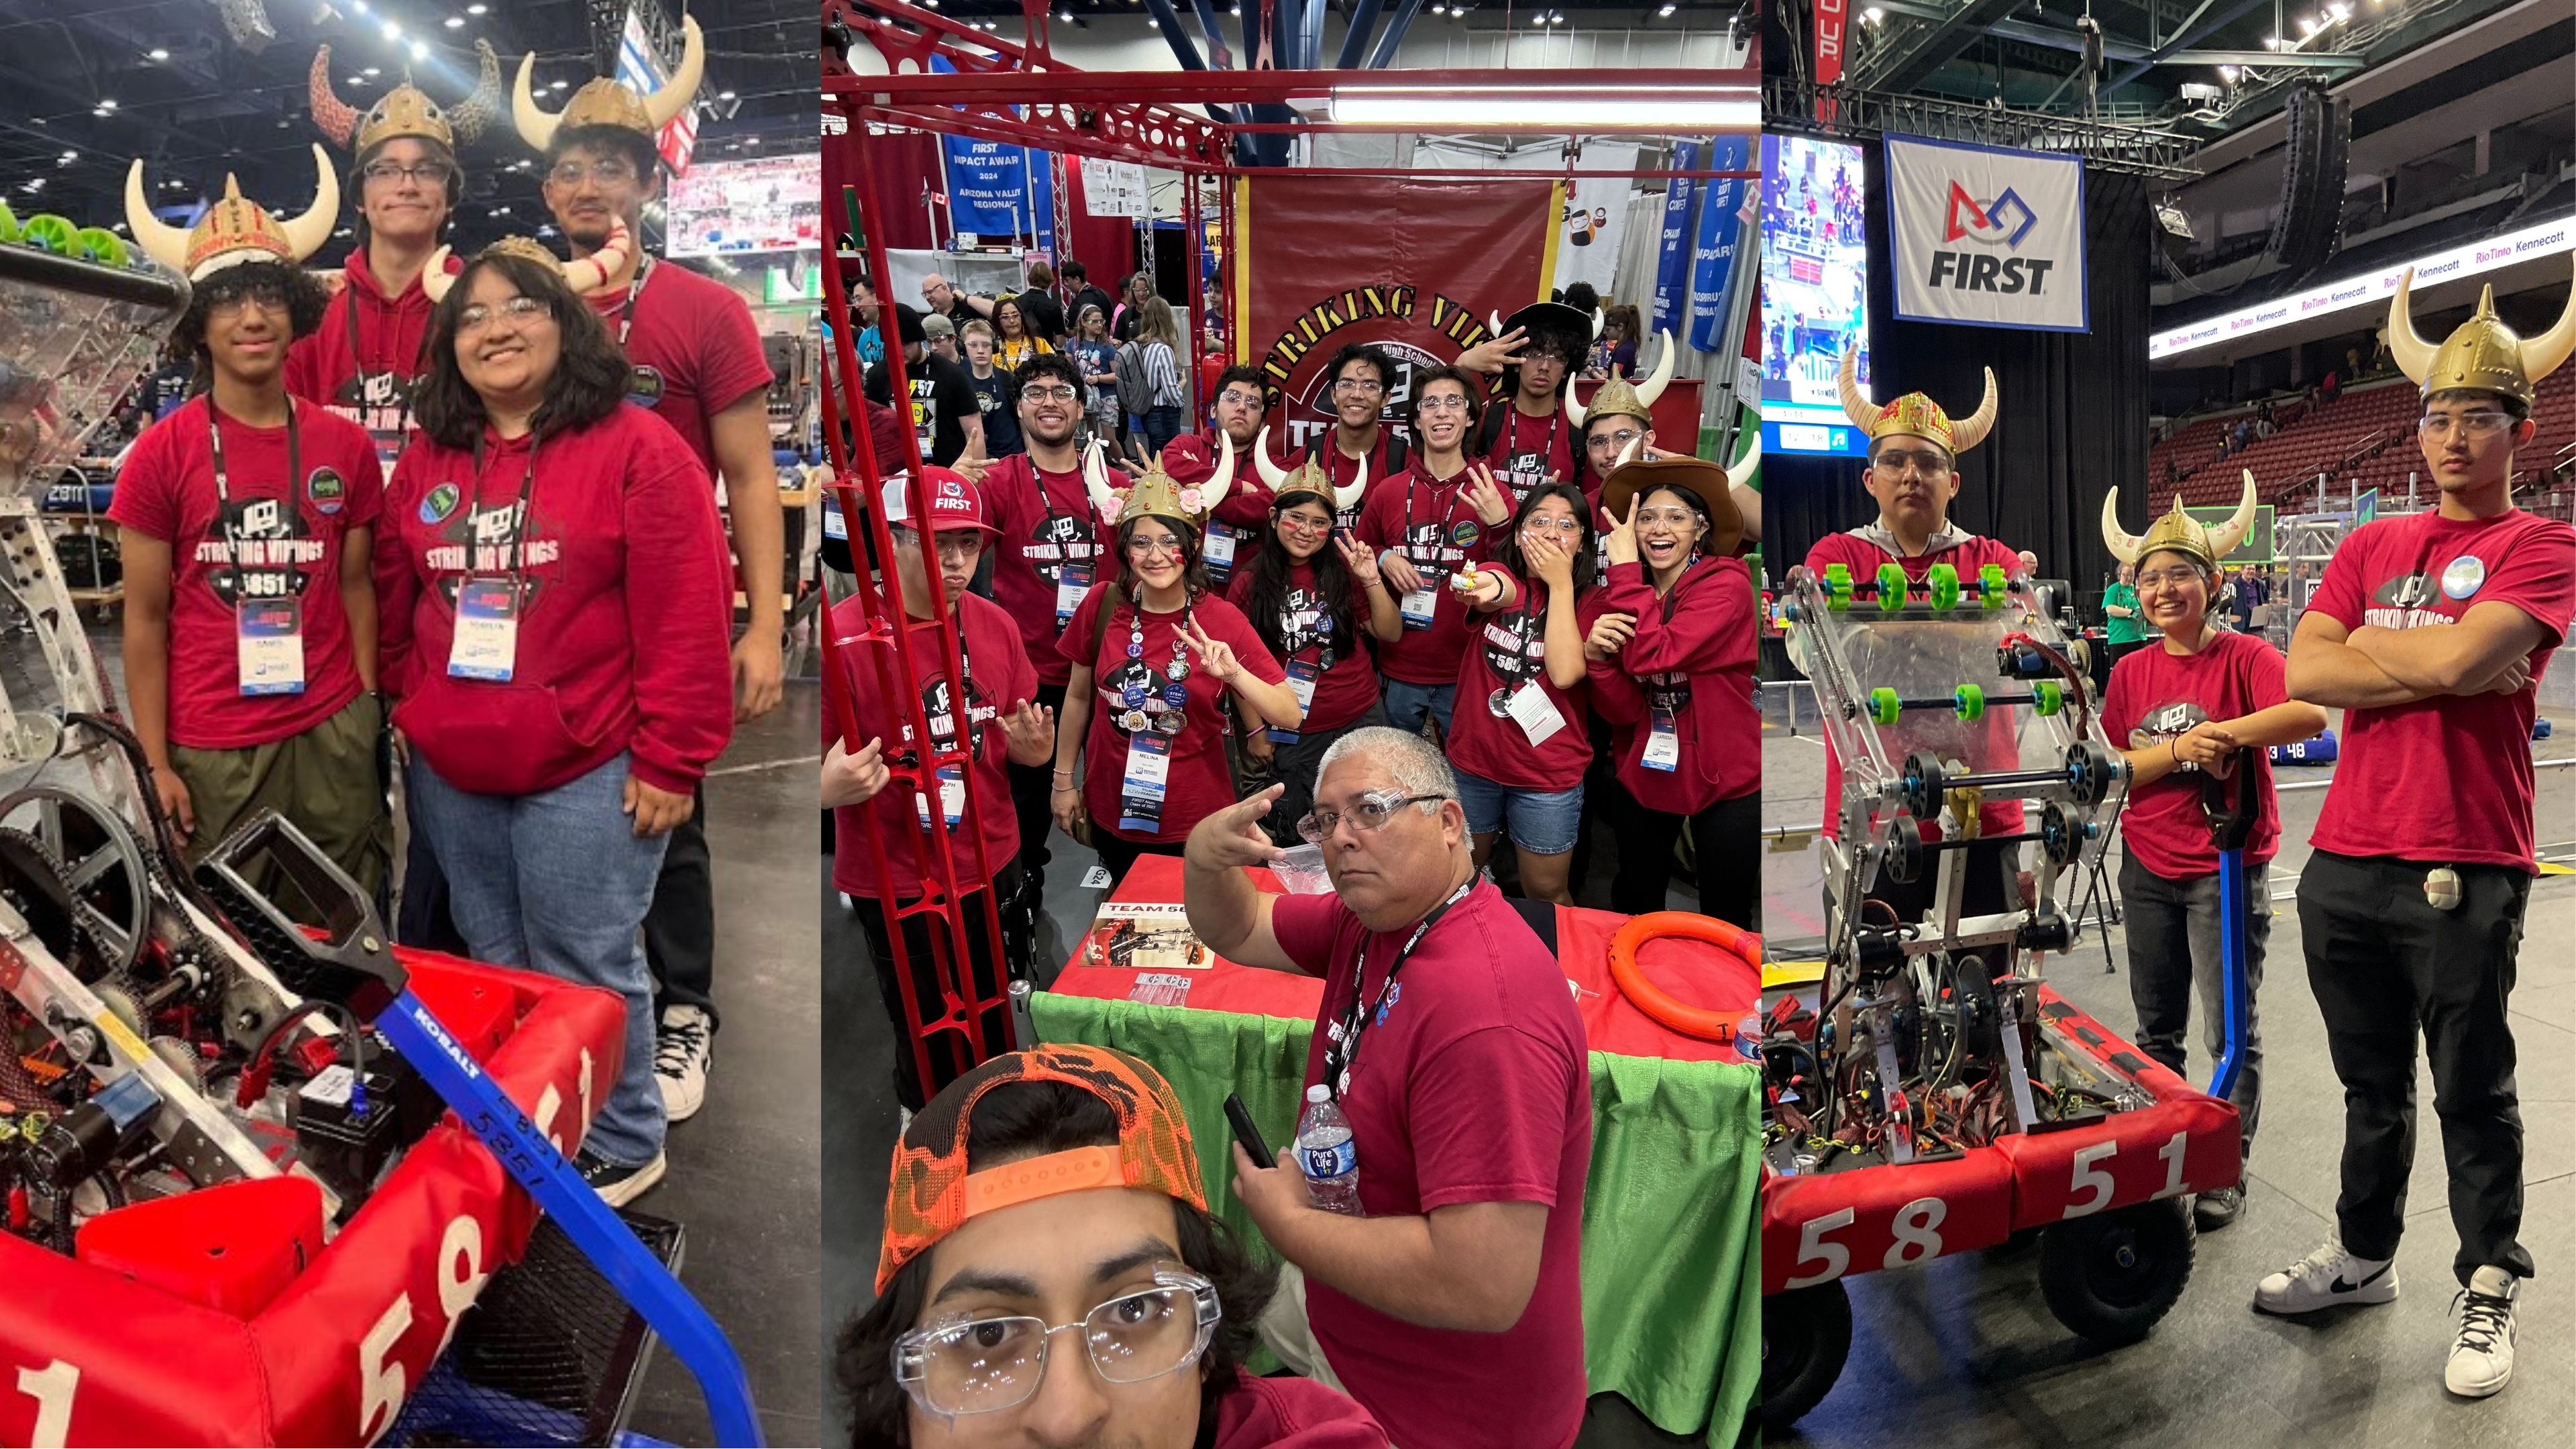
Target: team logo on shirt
258, 548
643, 386
380, 402
442, 501
2410, 600
2166, 722
492, 539
1297, 621
1423, 545
943, 722
1056, 538
1508, 649
2464, 576
327, 489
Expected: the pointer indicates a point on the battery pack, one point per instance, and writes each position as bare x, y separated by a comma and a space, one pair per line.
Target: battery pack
343, 1149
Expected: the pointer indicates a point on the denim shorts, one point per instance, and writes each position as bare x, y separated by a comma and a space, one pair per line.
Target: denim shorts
1542, 822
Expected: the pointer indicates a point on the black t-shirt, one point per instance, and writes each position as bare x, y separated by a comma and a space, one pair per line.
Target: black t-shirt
943, 398
999, 397
1043, 313
1129, 323
1089, 296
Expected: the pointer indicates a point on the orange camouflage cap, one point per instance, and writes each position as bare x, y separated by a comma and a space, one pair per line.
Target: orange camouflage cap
932, 1194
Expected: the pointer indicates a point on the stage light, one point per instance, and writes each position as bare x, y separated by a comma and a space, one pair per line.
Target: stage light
455, 22
393, 30
724, 95
477, 9
158, 53
420, 50
2339, 10
2271, 42
1587, 108
357, 80
107, 103
373, 71
2307, 26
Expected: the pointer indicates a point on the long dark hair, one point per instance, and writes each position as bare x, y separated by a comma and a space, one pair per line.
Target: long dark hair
1268, 594
1508, 552
590, 376
1194, 574
1032, 1119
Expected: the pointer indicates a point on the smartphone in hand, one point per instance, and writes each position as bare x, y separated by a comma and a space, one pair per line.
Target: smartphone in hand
1239, 1117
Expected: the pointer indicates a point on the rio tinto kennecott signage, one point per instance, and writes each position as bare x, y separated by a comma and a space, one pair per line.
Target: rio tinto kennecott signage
2372, 289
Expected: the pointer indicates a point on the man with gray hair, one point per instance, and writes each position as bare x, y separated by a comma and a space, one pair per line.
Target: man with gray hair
1453, 1307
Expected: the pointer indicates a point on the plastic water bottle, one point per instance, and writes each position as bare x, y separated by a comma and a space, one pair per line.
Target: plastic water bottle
1326, 1151
1748, 1038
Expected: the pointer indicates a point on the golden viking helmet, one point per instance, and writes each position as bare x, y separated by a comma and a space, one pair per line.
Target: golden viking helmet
405, 110
235, 229
1914, 414
2179, 531
2481, 353
1310, 476
1619, 397
1155, 495
606, 102
585, 275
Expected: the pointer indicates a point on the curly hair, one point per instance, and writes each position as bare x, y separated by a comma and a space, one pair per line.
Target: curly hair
1033, 1119
590, 378
1368, 352
1059, 367
270, 281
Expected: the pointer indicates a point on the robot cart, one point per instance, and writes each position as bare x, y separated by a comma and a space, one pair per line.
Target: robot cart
1930, 1095
264, 1177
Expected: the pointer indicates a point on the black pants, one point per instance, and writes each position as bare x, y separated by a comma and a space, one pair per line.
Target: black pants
1030, 788
1118, 854
951, 1053
2385, 966
2177, 945
680, 925
1726, 841
425, 922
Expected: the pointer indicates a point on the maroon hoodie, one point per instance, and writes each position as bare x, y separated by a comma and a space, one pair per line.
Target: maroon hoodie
1292, 1414
622, 633
321, 367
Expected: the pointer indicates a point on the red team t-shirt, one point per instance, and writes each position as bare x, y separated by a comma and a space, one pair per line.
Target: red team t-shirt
362, 360
286, 534
1197, 783
1473, 1084
694, 350
1498, 749
2156, 695
1346, 470
1436, 529
998, 680
1692, 655
2447, 779
1342, 693
1862, 557
1046, 521
1528, 451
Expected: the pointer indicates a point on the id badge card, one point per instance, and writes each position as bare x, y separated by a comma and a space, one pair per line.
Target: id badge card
487, 630
834, 524
1534, 712
1140, 794
268, 640
952, 797
1419, 606
1663, 741
1072, 582
1219, 552
1302, 675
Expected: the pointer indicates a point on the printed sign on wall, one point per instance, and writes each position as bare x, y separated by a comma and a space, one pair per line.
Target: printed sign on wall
1986, 237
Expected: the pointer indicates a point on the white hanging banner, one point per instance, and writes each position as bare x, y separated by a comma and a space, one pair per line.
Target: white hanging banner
1595, 220
1986, 237
1114, 188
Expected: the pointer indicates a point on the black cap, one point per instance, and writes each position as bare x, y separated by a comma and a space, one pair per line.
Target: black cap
907, 325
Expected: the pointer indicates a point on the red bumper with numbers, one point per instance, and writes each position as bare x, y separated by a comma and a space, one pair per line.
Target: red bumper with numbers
159, 1338
1832, 1225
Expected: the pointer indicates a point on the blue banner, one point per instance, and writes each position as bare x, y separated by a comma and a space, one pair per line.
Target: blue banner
989, 186
1713, 258
1672, 265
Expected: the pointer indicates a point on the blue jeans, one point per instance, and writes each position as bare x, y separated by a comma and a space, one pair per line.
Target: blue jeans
1407, 703
1540, 822
1161, 426
558, 882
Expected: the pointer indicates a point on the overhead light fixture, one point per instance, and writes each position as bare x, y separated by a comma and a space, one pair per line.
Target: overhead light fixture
1873, 15
371, 72
1584, 108
2271, 42
724, 95
2339, 10
470, 9
1666, 13
558, 85
2307, 26
107, 103
455, 22
393, 30
2229, 74
157, 53
420, 50
357, 80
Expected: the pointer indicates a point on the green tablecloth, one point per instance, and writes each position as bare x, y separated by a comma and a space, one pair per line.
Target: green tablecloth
1672, 1281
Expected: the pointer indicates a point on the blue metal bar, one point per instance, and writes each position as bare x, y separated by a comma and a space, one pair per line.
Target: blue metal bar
1217, 54
1310, 55
414, 1031
2232, 907
1184, 49
1396, 30
1363, 20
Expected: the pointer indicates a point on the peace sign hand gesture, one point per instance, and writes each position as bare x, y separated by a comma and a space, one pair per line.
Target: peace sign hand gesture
1493, 506
1215, 655
1357, 558
1621, 540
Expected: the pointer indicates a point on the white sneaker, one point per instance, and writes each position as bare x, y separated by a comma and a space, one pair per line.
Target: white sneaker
2482, 1356
2327, 1278
683, 1047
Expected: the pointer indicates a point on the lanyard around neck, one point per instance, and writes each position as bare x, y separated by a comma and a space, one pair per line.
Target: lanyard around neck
223, 488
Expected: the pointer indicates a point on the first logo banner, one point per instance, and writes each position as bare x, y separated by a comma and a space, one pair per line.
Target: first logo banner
1985, 237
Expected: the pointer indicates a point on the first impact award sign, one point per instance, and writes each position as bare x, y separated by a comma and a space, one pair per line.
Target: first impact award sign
1984, 237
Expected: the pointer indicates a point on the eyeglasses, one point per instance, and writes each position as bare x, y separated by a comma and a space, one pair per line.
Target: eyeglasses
267, 303
1670, 517
1926, 461
1302, 524
1368, 814
519, 310
1614, 441
1148, 547
1240, 398
1358, 387
1552, 525
1057, 394
427, 173
2167, 578
983, 1365
1443, 403
610, 172
2481, 424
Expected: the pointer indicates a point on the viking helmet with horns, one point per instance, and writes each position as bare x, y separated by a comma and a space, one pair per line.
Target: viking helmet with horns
405, 110
2179, 531
2481, 353
1621, 398
1914, 415
235, 229
584, 276
1310, 476
1155, 495
605, 102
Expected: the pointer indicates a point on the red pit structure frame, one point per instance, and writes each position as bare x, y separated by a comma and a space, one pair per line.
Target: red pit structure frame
1020, 95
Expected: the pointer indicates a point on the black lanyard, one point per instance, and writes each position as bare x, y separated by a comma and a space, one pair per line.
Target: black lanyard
358, 360
1405, 539
1526, 627
1512, 438
1344, 1046
518, 518
223, 490
634, 289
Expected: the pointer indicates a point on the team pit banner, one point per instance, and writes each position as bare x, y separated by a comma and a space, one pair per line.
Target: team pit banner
1415, 267
1985, 237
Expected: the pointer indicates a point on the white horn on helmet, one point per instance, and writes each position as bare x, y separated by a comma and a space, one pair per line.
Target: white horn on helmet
590, 273
536, 127
160, 241
1662, 377
435, 279
1273, 476
1345, 499
674, 95
1095, 482
308, 232
2123, 545
1597, 318
1741, 471
1859, 409
1224, 478
2224, 538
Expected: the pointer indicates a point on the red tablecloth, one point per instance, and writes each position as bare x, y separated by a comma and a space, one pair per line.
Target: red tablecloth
1691, 971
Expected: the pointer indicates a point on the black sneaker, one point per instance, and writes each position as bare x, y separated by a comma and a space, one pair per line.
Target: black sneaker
616, 1183
2213, 1210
